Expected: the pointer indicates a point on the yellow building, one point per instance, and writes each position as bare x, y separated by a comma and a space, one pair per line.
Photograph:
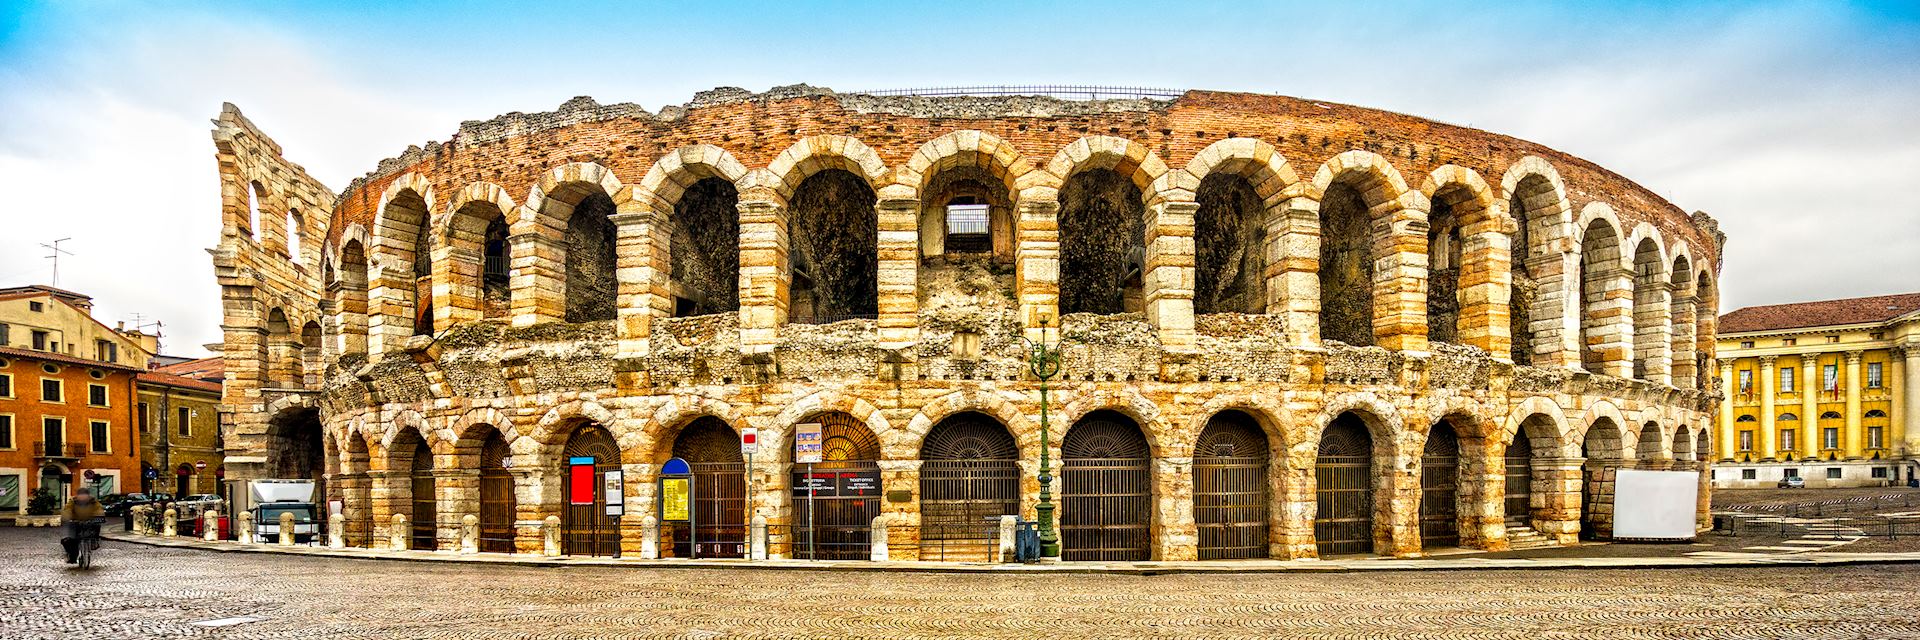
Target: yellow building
179, 417
1826, 391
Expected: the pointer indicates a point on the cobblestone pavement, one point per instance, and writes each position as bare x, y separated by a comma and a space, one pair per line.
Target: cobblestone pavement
142, 592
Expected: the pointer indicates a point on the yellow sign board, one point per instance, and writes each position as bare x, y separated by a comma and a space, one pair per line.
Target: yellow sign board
673, 498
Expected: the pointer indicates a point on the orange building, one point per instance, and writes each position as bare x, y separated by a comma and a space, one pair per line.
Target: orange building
66, 420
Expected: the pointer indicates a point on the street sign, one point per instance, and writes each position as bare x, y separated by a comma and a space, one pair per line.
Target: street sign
749, 441
673, 499
807, 442
580, 481
200, 465
614, 490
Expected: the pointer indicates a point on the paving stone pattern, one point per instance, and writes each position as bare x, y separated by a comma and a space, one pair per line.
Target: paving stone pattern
142, 592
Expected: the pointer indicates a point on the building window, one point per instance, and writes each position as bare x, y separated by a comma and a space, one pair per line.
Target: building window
1830, 438
53, 432
40, 340
1876, 336
1786, 379
4, 330
967, 227
1880, 473
293, 236
1873, 375
1833, 473
1830, 377
1746, 381
1787, 439
97, 436
1790, 342
1833, 339
97, 395
1789, 472
36, 306
1749, 474
140, 416
106, 351
1874, 439
6, 385
50, 390
186, 421
1746, 344
1746, 441
6, 431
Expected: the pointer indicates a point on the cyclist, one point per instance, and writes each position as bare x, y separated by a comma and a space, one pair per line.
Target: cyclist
83, 516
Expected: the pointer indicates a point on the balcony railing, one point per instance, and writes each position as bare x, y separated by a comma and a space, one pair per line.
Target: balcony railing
62, 450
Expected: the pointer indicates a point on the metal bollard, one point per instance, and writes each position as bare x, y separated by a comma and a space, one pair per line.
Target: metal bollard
171, 526
550, 534
759, 537
879, 538
286, 529
245, 527
649, 538
397, 535
337, 531
469, 534
210, 526
1007, 525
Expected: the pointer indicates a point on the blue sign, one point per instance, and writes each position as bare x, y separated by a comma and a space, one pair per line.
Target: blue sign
580, 460
676, 467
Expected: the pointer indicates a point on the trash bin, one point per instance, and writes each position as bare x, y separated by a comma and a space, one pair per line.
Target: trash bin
1026, 542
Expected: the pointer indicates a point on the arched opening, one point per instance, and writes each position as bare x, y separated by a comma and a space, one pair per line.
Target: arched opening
705, 249
1346, 265
283, 356
1651, 340
969, 477
1831, 423
401, 235
479, 261
484, 450
1682, 320
496, 268
1440, 488
1517, 508
1230, 490
1605, 454
1106, 489
712, 452
835, 256
357, 494
295, 450
1603, 299
586, 528
1647, 446
410, 453
294, 223
1683, 445
966, 217
1103, 246
1445, 247
1704, 446
591, 284
350, 298
836, 499
183, 480
1229, 240
1790, 436
1705, 318
1532, 206
1343, 490
255, 198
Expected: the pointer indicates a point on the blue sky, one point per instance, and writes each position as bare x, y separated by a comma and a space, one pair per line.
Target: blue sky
1796, 124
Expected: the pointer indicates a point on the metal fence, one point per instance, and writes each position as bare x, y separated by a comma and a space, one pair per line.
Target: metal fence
961, 542
1836, 506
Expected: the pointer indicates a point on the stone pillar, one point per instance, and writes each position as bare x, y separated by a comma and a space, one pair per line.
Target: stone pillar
644, 275
1598, 513
1481, 493
649, 537
550, 537
899, 271
1293, 269
1653, 330
1296, 505
1906, 408
287, 530
469, 534
390, 302
244, 527
764, 279
336, 531
457, 272
1399, 527
1400, 282
757, 538
210, 526
1555, 319
350, 315
1178, 538
1557, 485
1168, 282
536, 494
390, 496
170, 523
457, 494
1769, 436
1486, 288
1037, 259
1808, 386
902, 475
1685, 376
879, 537
1855, 437
538, 284
400, 533
1729, 441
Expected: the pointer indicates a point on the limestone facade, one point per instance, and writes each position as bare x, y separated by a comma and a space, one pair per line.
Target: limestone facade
386, 338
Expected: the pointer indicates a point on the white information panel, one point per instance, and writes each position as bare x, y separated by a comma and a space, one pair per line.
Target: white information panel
1655, 505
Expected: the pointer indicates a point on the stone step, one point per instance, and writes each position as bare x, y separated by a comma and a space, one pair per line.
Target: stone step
1522, 537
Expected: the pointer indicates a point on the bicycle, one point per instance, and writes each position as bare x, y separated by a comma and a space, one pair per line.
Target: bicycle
86, 540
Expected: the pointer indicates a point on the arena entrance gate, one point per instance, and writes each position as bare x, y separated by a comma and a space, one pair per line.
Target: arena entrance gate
497, 504
1230, 495
1107, 490
969, 477
1343, 474
425, 499
1519, 502
1439, 488
845, 488
586, 529
712, 452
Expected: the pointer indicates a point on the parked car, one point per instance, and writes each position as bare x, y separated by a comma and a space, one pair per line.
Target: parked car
1793, 482
202, 499
118, 507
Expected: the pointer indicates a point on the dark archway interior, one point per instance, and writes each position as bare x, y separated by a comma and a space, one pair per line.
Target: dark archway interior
1228, 235
705, 249
835, 249
1346, 267
1103, 247
591, 287
1443, 272
495, 266
1525, 290
294, 447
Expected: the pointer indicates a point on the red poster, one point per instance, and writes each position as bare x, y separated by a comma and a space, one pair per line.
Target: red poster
580, 484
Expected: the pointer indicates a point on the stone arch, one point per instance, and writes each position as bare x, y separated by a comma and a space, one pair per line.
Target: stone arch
1106, 185
1650, 444
1364, 206
827, 401
973, 165
475, 273
691, 200
1606, 293
814, 154
1564, 444
1652, 306
401, 260
679, 169
906, 443
1605, 421
1241, 187
580, 264
1685, 306
1706, 320
1129, 403
1468, 253
1682, 443
1132, 160
551, 431
832, 187
1535, 198
1273, 420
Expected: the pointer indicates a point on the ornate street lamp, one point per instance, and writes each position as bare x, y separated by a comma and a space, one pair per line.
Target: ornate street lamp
1043, 361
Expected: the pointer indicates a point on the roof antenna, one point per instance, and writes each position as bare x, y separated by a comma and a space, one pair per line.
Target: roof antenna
53, 254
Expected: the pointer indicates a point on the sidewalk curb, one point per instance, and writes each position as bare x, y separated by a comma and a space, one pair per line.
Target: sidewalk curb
1818, 559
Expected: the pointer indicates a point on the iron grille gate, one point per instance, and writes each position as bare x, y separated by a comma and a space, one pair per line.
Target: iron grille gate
586, 529
839, 524
425, 518
720, 512
1439, 489
1344, 474
959, 500
497, 503
1106, 490
1519, 502
1230, 507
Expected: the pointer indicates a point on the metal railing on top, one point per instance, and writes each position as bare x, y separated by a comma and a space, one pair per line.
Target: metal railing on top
1063, 91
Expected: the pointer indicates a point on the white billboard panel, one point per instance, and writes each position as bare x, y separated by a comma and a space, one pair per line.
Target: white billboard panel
1655, 505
